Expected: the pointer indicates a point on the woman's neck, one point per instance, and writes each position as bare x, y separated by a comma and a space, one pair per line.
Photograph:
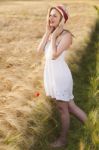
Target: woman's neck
57, 37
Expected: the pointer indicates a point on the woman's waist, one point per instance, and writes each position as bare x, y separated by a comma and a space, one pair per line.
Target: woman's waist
49, 58
57, 62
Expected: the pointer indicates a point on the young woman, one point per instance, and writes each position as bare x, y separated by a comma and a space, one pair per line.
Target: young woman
58, 82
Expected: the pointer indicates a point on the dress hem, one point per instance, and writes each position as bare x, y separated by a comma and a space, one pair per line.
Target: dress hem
59, 99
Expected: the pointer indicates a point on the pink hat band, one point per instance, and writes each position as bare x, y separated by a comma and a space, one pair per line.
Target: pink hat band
65, 15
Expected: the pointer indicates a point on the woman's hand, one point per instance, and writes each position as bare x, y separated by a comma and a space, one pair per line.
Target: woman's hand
49, 29
59, 29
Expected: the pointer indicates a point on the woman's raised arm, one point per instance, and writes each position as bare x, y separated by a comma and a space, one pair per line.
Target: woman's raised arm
43, 42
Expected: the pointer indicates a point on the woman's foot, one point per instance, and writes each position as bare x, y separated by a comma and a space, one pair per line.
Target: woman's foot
58, 143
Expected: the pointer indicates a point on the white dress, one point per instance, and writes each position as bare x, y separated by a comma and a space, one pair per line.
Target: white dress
58, 82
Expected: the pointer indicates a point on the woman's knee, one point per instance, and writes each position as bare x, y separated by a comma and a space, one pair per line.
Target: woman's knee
62, 107
72, 106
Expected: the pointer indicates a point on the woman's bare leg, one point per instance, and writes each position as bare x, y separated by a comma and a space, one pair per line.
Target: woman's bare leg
75, 110
65, 119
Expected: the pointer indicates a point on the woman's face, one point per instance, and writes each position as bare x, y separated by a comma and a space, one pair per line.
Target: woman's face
54, 18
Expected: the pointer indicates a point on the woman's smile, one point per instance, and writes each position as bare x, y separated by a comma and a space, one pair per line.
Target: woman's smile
52, 22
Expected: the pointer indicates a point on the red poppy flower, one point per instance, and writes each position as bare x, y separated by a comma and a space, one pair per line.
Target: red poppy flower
36, 94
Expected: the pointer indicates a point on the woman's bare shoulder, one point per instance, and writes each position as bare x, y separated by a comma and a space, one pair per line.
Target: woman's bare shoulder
68, 32
64, 35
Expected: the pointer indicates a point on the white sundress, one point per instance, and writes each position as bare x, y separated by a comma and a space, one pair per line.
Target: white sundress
58, 82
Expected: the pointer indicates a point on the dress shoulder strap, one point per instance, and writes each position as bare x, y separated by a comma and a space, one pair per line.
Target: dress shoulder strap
68, 32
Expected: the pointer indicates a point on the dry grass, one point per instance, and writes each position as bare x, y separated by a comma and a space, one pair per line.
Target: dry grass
21, 71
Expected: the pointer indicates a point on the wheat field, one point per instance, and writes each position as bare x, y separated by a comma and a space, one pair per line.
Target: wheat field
22, 24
